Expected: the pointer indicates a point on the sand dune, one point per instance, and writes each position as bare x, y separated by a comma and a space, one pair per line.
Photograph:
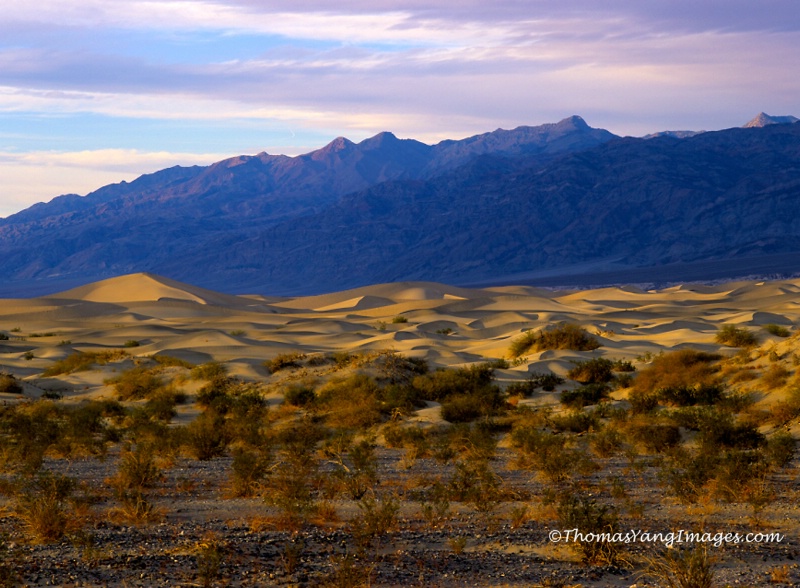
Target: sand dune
445, 325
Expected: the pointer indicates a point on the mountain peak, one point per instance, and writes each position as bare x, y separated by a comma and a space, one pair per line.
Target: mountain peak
338, 144
574, 121
380, 139
763, 119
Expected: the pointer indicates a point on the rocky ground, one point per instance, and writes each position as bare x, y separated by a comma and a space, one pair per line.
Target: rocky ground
201, 537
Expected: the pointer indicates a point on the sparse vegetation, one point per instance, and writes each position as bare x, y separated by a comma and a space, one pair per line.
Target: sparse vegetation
9, 384
284, 361
489, 459
734, 336
211, 370
81, 361
562, 336
42, 506
136, 383
777, 330
692, 567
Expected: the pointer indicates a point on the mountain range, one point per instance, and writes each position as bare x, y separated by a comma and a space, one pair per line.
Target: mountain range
550, 204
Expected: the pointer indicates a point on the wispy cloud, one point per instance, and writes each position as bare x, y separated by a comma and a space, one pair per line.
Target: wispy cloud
207, 76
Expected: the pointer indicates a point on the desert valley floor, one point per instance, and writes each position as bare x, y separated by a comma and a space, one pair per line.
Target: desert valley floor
451, 504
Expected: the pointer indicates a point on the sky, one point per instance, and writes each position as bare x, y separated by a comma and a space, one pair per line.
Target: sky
99, 91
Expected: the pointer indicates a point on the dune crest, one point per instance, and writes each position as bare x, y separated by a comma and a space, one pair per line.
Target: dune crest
146, 287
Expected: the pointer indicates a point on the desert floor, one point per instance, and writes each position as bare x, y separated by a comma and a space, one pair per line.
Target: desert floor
505, 543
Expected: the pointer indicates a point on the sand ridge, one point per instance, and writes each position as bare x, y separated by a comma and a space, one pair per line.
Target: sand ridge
443, 324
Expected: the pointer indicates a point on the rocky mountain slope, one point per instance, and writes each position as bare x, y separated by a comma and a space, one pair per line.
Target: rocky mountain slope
503, 205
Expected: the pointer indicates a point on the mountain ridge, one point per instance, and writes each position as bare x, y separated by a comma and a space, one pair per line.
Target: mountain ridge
502, 203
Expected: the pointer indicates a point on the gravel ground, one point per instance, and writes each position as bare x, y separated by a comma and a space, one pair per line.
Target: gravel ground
242, 542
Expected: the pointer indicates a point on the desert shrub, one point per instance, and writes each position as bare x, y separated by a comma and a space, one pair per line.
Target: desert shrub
720, 430
690, 417
462, 408
685, 369
3, 336
442, 383
400, 319
686, 395
525, 388
575, 421
623, 365
137, 469
42, 506
471, 442
576, 511
207, 436
217, 394
736, 472
9, 384
209, 371
395, 368
28, 432
624, 380
643, 402
353, 402
135, 384
247, 418
775, 377
562, 336
170, 361
81, 361
283, 361
84, 428
733, 336
655, 438
475, 483
686, 473
356, 464
376, 519
776, 330
736, 401
584, 396
414, 440
683, 568
248, 470
606, 442
522, 344
299, 395
547, 453
132, 343
396, 399
784, 411
780, 449
592, 371
210, 552
290, 487
161, 404
134, 507
547, 382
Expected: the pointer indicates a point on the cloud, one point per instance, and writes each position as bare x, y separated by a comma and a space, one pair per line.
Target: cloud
421, 68
79, 172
